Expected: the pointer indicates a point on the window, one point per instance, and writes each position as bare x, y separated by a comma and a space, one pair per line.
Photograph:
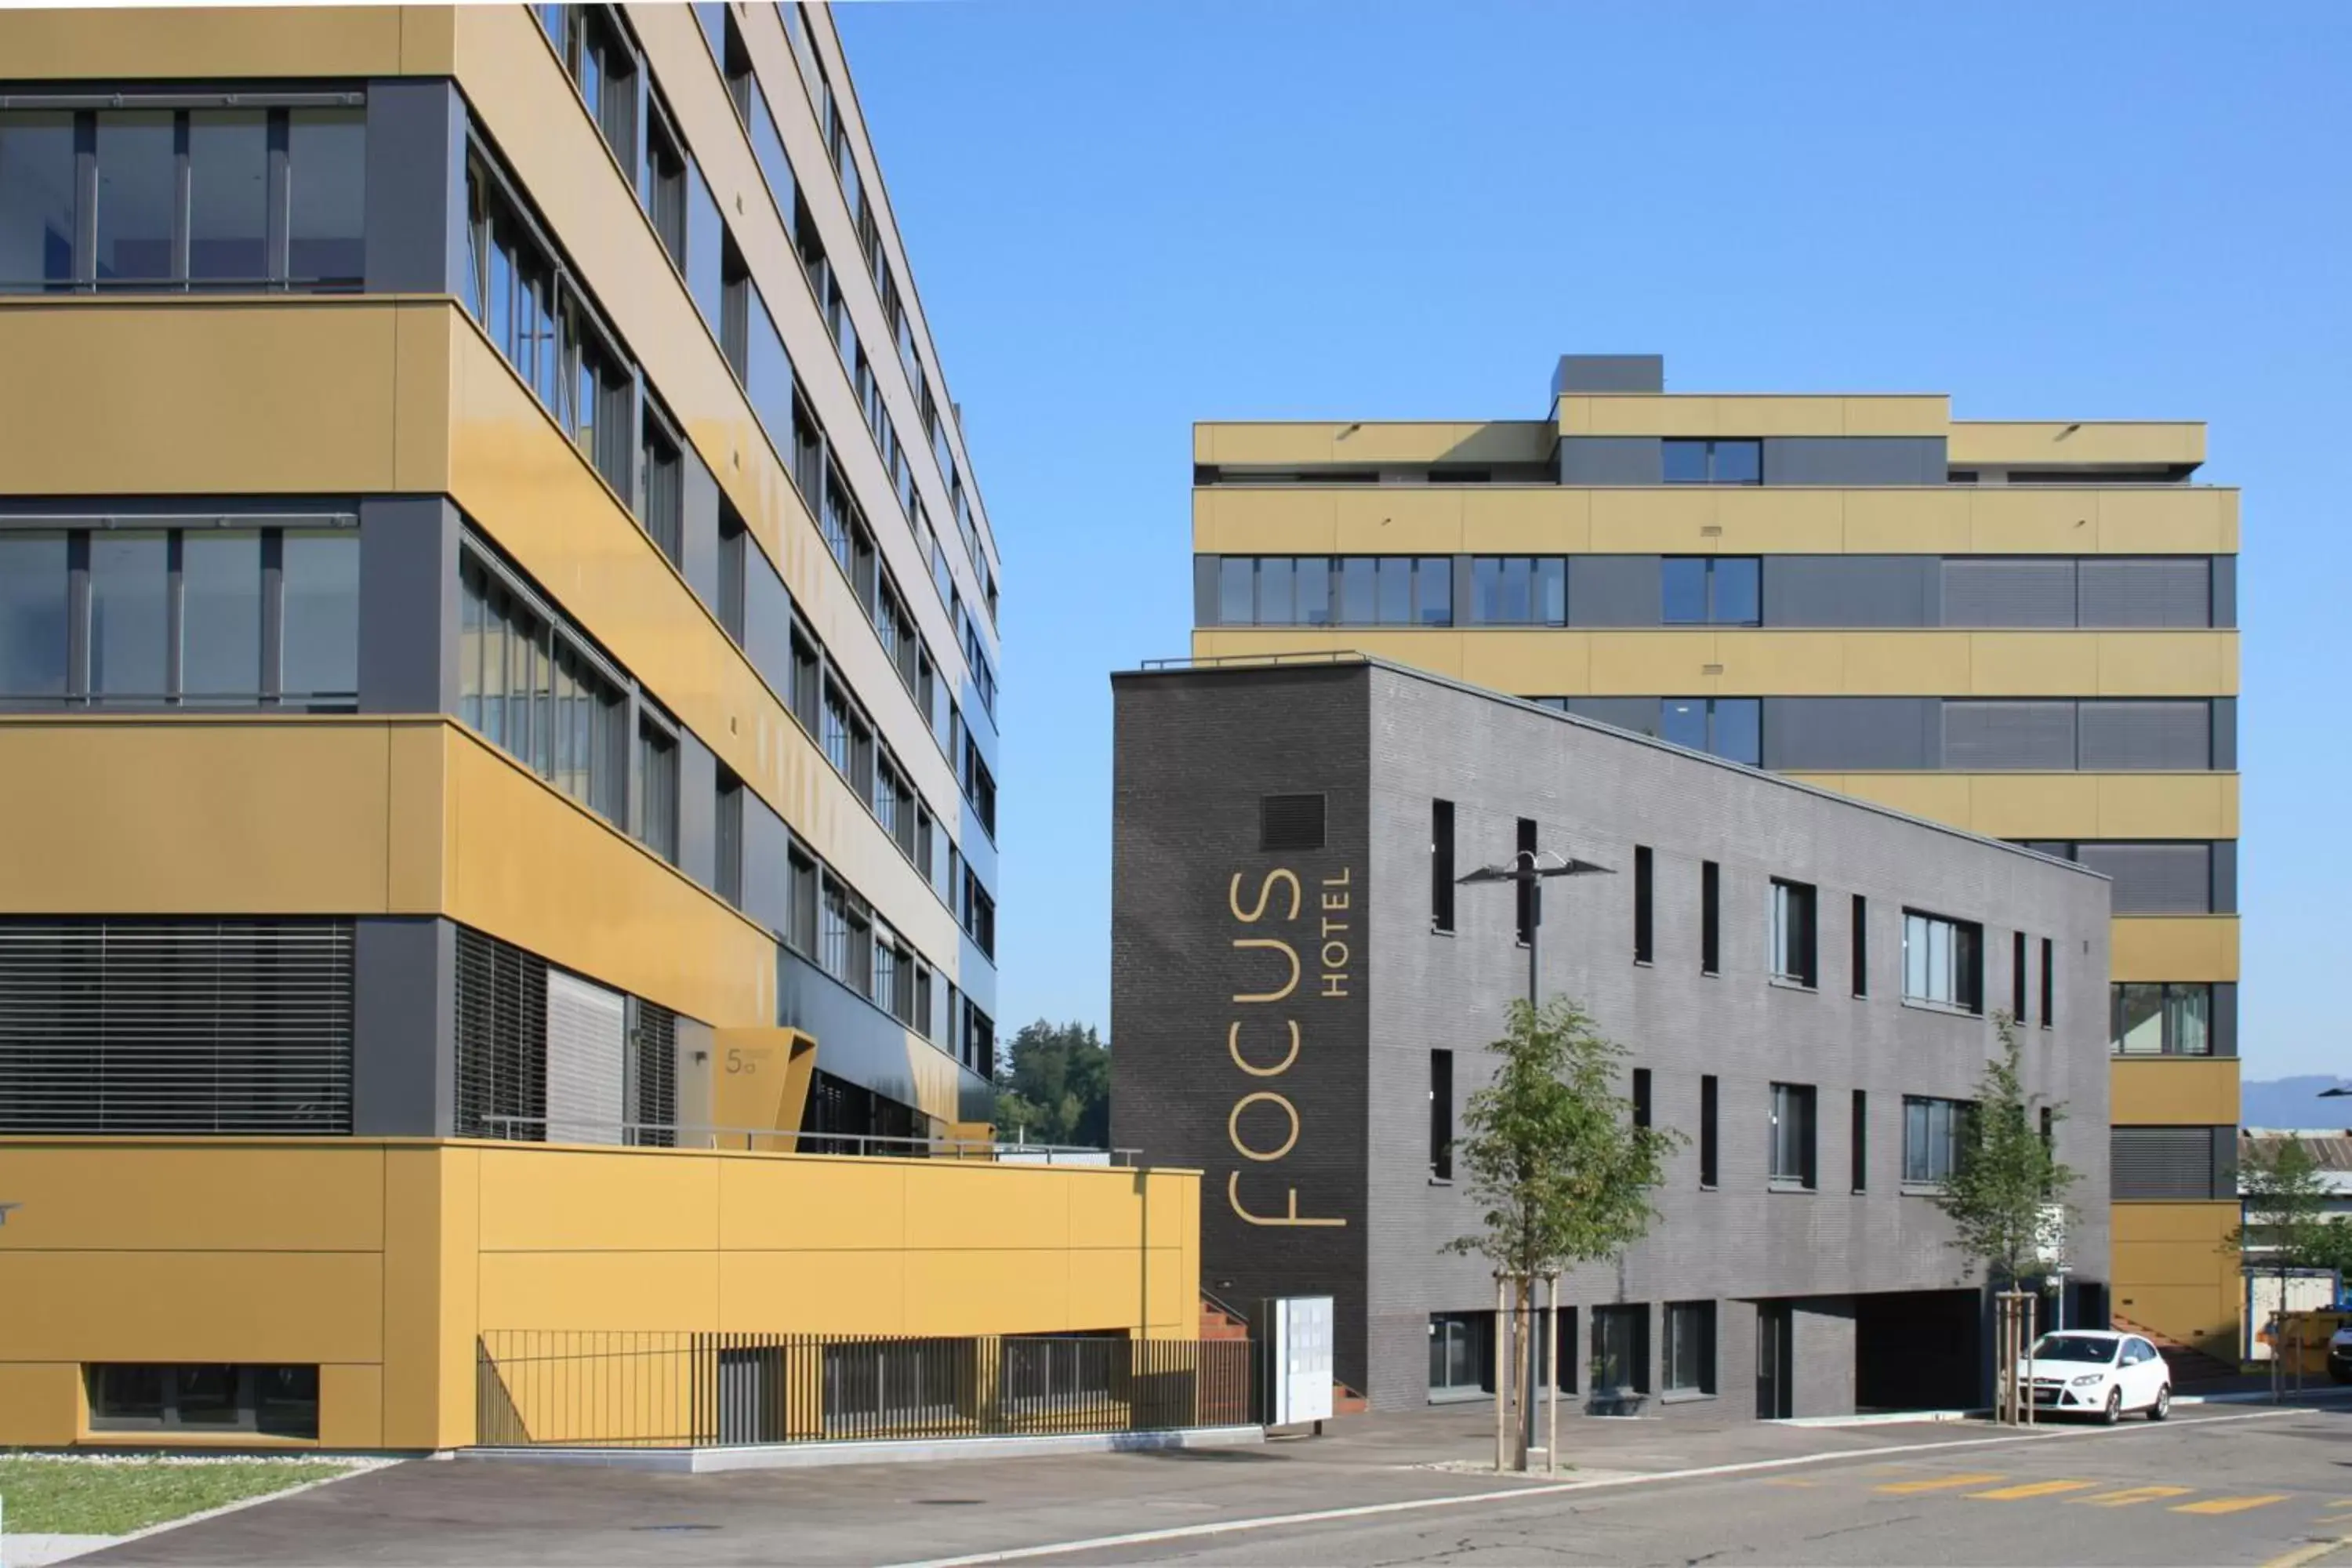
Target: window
801, 932
1707, 1131
656, 795
1932, 1130
1943, 962
603, 67
662, 186
1440, 1115
706, 253
268, 615
1527, 888
1441, 865
2049, 982
1860, 1147
1710, 918
269, 1401
2171, 1019
1792, 933
1709, 590
1714, 462
979, 914
184, 196
833, 931
980, 1041
1860, 935
1620, 1350
1519, 590
727, 839
661, 478
1459, 1350
1690, 1347
1643, 946
530, 686
1792, 1135
1727, 727
2017, 976
734, 541
1641, 1097
979, 784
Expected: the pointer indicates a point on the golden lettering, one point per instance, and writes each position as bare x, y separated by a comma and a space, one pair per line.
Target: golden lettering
1288, 951
1334, 988
1335, 955
1336, 901
1234, 1196
1264, 892
1233, 1047
1233, 1125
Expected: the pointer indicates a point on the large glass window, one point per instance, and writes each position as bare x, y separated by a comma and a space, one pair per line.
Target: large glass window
1519, 590
1792, 1135
532, 689
1943, 962
319, 655
129, 597
1731, 728
1690, 1347
2173, 1019
1620, 1349
1714, 462
1932, 1132
34, 613
37, 206
220, 615
656, 807
271, 1401
1709, 590
228, 194
138, 179
1792, 937
326, 194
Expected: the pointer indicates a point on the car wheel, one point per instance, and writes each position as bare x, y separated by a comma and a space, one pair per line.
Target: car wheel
2163, 1405
2114, 1410
2340, 1374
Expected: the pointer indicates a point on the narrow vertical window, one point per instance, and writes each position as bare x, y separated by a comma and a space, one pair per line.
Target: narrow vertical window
1641, 1097
728, 840
1710, 918
1706, 1167
1643, 947
1440, 1115
1861, 946
1441, 865
1526, 888
1861, 1142
2049, 984
2017, 976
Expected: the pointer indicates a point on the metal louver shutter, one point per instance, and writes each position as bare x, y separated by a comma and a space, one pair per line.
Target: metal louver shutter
2168, 591
2162, 1163
2156, 879
1290, 822
501, 1040
653, 1074
167, 1026
2128, 736
587, 1030
1979, 736
1987, 591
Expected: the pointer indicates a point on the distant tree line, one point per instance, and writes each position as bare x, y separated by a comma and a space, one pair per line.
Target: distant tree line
1054, 1086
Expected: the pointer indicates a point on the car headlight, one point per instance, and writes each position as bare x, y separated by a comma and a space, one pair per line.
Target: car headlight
2090, 1377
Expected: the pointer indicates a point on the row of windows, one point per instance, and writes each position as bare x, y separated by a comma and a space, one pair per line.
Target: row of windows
232, 197
1810, 591
1461, 1351
219, 612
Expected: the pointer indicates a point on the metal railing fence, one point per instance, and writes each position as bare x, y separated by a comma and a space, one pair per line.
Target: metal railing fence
772, 1141
537, 1388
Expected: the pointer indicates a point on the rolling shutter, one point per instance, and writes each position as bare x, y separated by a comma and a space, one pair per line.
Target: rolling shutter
2175, 1163
501, 1040
1985, 736
587, 1031
2156, 879
1990, 591
2122, 737
2168, 591
196, 1026
653, 1074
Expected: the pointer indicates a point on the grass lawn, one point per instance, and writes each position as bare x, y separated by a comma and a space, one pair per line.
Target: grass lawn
85, 1497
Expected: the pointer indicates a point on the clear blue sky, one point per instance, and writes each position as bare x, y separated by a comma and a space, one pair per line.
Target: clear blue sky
1126, 217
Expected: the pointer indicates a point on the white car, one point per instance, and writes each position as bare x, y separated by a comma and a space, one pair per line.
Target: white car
2098, 1372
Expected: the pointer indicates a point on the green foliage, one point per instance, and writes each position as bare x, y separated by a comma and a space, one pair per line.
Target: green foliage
1054, 1086
87, 1497
2287, 1199
1551, 1153
2007, 1178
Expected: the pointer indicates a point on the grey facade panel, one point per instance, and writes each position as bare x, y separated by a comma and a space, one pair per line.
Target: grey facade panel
1994, 736
1821, 1333
698, 809
2222, 1028
1612, 460
2130, 736
698, 542
1639, 714
1205, 609
403, 1018
767, 866
767, 622
408, 605
857, 1040
1822, 734
2001, 591
2225, 590
415, 186
2156, 879
2225, 876
2225, 734
1609, 373
1850, 590
1613, 591
1853, 460
2161, 591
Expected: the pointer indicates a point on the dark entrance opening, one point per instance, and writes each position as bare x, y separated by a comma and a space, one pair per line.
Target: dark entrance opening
1776, 1386
1919, 1349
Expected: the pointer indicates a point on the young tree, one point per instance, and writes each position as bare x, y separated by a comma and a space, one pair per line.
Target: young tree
2008, 1185
2286, 1225
1552, 1156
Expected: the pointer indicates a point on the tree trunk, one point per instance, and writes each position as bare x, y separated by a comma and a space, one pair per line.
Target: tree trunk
1523, 1368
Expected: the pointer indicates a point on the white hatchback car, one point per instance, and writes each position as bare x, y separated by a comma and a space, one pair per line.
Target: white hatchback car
2098, 1372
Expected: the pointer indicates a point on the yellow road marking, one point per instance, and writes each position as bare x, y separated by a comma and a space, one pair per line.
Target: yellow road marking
2030, 1489
2312, 1553
2131, 1495
1790, 1481
1941, 1482
2231, 1504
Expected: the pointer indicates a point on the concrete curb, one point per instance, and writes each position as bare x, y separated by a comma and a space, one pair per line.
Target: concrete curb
919, 1451
1875, 1418
2262, 1396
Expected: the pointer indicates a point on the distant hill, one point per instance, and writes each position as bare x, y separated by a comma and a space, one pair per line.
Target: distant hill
2291, 1102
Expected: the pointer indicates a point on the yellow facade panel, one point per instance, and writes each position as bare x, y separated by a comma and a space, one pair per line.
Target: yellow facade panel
1288, 442
1892, 521
2175, 1272
1528, 664
1236, 520
643, 1200
2030, 664
2057, 443
251, 1304
1508, 520
1648, 663
351, 1406
2166, 805
2164, 664
607, 1289
1903, 664
1775, 519
2176, 947
813, 1204
2024, 521
1776, 663
2168, 519
2173, 1091
417, 1181
2034, 805
309, 41
1742, 415
41, 1402
1937, 797
323, 1199
1406, 520
829, 1293
1666, 521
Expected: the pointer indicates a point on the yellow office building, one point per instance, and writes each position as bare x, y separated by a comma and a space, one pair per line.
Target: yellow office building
497, 634
2026, 629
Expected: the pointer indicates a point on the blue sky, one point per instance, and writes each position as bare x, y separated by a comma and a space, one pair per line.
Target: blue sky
1126, 217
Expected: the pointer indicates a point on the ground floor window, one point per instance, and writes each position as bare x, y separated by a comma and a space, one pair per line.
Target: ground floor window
271, 1401
1620, 1349
1460, 1353
1690, 1347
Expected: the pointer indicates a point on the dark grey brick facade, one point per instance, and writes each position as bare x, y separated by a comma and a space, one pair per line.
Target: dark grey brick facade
1196, 749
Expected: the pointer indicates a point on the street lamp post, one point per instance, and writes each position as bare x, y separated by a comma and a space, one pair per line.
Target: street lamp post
1528, 869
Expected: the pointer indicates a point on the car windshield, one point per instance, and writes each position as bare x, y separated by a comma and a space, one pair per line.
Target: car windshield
2073, 1347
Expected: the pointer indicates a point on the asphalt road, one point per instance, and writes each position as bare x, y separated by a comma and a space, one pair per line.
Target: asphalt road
2215, 1486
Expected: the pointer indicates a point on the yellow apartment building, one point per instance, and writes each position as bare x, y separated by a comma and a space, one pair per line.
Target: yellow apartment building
498, 722
2028, 630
